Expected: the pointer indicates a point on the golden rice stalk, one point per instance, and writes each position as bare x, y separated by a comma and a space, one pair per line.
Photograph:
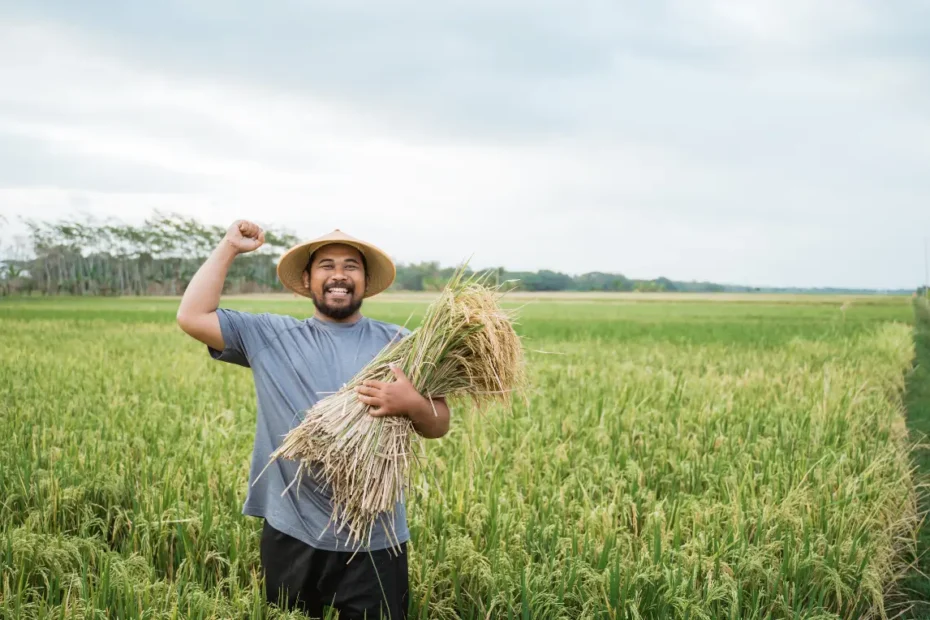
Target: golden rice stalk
465, 347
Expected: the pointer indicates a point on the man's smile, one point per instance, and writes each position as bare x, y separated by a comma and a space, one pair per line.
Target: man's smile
338, 292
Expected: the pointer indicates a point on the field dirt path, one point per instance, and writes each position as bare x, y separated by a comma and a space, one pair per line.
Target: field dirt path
917, 583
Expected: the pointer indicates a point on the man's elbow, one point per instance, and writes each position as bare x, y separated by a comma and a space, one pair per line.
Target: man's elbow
443, 427
440, 426
185, 321
439, 431
433, 433
202, 327
194, 325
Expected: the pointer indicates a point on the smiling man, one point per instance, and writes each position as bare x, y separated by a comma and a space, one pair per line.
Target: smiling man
295, 363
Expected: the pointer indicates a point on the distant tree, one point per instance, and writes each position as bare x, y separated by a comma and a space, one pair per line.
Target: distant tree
418, 276
646, 286
599, 281
664, 284
14, 272
92, 257
546, 280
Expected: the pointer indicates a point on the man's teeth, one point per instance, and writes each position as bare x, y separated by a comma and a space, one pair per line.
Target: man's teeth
338, 290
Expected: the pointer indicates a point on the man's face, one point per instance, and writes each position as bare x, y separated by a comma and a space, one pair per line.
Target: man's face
336, 281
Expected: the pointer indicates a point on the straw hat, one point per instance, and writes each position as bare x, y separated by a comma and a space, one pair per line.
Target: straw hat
381, 270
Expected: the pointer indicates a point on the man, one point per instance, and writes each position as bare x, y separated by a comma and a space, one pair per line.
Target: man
295, 363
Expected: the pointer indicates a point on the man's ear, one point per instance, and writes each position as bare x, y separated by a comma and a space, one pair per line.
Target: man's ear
305, 278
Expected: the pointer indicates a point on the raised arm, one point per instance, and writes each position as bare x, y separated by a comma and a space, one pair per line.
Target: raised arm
197, 312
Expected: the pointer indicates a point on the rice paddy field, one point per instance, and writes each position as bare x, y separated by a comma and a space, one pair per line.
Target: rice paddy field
674, 458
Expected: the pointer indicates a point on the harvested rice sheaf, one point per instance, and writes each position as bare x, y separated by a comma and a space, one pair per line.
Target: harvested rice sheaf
466, 347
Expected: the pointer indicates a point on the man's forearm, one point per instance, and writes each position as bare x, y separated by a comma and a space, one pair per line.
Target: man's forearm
431, 419
205, 288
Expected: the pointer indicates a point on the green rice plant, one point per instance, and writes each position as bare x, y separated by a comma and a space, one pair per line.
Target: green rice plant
669, 460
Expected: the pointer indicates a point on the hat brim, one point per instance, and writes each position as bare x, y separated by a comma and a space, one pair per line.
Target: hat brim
380, 268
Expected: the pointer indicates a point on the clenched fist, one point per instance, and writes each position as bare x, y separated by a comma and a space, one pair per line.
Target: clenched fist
245, 236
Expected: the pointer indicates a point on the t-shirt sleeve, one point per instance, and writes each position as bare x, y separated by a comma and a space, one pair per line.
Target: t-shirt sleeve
244, 335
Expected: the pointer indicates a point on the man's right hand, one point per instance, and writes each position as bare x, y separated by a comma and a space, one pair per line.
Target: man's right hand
245, 236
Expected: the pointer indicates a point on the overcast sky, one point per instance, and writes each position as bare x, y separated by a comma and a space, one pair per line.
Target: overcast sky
781, 142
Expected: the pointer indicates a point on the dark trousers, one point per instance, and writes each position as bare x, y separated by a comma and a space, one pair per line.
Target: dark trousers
373, 585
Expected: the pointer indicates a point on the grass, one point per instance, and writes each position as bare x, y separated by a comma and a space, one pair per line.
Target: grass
699, 460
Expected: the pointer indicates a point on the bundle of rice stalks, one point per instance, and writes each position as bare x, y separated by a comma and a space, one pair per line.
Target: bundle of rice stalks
466, 347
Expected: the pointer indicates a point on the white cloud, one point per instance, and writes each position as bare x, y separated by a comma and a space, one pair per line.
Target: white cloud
749, 142
784, 23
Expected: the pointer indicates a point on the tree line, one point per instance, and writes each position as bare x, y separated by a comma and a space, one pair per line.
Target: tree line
428, 276
159, 257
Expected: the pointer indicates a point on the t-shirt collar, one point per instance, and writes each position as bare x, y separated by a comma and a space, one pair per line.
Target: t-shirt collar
333, 325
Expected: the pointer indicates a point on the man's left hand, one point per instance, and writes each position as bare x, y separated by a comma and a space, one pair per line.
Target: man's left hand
396, 398
430, 416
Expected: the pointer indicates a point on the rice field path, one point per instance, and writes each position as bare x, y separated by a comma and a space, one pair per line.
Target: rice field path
917, 583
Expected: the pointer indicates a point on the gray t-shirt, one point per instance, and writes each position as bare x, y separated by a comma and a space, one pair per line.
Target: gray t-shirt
295, 364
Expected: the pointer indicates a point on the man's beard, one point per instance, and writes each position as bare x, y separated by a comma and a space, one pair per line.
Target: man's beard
337, 313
